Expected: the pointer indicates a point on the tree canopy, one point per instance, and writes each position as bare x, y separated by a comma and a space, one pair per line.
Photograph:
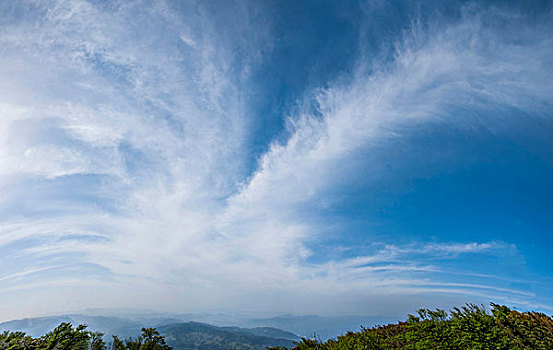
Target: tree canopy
65, 337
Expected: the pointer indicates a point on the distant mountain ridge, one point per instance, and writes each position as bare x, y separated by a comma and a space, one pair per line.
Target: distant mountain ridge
270, 332
179, 335
127, 323
318, 326
201, 336
38, 326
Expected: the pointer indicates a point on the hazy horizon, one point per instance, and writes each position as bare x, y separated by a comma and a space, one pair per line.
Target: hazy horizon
275, 157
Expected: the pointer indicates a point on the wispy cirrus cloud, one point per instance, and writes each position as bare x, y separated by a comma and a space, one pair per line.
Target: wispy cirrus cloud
124, 156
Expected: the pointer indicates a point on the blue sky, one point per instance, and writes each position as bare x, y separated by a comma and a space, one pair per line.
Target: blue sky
327, 157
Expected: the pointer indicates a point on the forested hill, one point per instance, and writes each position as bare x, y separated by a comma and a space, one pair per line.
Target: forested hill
199, 336
469, 327
179, 336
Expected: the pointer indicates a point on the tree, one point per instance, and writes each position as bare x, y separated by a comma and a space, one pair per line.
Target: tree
97, 341
64, 337
150, 339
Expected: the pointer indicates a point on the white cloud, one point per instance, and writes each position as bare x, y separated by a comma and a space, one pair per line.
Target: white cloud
166, 131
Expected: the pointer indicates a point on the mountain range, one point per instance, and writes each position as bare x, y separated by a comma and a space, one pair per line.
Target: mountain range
203, 331
179, 334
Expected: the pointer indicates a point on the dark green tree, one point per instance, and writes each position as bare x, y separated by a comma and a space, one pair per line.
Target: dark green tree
153, 340
64, 337
97, 341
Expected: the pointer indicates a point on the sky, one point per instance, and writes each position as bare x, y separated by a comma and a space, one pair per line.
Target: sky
266, 157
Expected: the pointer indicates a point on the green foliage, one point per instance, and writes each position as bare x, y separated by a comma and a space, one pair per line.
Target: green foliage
149, 340
97, 341
18, 340
469, 327
65, 337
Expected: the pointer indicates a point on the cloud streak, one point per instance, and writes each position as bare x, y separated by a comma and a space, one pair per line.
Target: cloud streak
124, 152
